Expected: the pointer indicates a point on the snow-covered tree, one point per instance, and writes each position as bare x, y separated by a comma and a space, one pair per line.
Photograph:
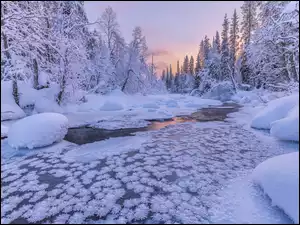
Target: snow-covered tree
186, 65
218, 42
225, 58
206, 48
191, 66
198, 64
234, 41
248, 25
273, 54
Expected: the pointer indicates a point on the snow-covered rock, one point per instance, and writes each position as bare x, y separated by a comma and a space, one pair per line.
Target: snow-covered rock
38, 130
275, 110
111, 106
279, 178
222, 91
288, 127
151, 106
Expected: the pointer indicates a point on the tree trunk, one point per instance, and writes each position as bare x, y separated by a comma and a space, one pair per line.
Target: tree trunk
15, 90
63, 84
125, 82
36, 74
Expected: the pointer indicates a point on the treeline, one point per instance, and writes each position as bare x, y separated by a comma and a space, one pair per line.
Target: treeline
50, 42
258, 50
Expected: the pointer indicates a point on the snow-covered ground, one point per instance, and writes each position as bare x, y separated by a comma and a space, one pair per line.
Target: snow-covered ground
176, 174
186, 173
117, 108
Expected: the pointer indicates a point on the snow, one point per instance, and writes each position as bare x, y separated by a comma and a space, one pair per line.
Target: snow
46, 100
38, 130
4, 131
279, 178
7, 152
99, 150
291, 7
11, 112
111, 106
275, 110
288, 127
173, 177
135, 108
242, 202
9, 109
120, 124
222, 91
151, 106
27, 94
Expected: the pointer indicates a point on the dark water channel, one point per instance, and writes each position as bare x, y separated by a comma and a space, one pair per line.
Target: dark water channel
86, 134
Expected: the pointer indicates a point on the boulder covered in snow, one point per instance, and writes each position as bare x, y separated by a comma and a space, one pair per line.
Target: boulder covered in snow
222, 91
38, 130
275, 110
287, 128
111, 106
279, 178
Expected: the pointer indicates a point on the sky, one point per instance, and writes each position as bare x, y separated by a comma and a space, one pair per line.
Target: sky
172, 29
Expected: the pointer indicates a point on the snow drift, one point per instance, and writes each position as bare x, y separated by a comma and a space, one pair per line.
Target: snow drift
275, 110
279, 178
288, 127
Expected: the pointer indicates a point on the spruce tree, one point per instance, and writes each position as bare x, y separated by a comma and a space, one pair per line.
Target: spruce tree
225, 58
191, 66
248, 25
233, 40
218, 42
186, 65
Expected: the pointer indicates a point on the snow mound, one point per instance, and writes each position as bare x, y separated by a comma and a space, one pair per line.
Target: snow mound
11, 112
288, 127
222, 91
279, 178
43, 105
275, 110
9, 109
151, 106
111, 106
38, 130
4, 130
27, 94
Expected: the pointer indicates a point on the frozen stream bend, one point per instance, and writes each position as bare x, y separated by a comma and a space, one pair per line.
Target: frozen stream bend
177, 175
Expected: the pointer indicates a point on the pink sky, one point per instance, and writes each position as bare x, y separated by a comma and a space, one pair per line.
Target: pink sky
176, 28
